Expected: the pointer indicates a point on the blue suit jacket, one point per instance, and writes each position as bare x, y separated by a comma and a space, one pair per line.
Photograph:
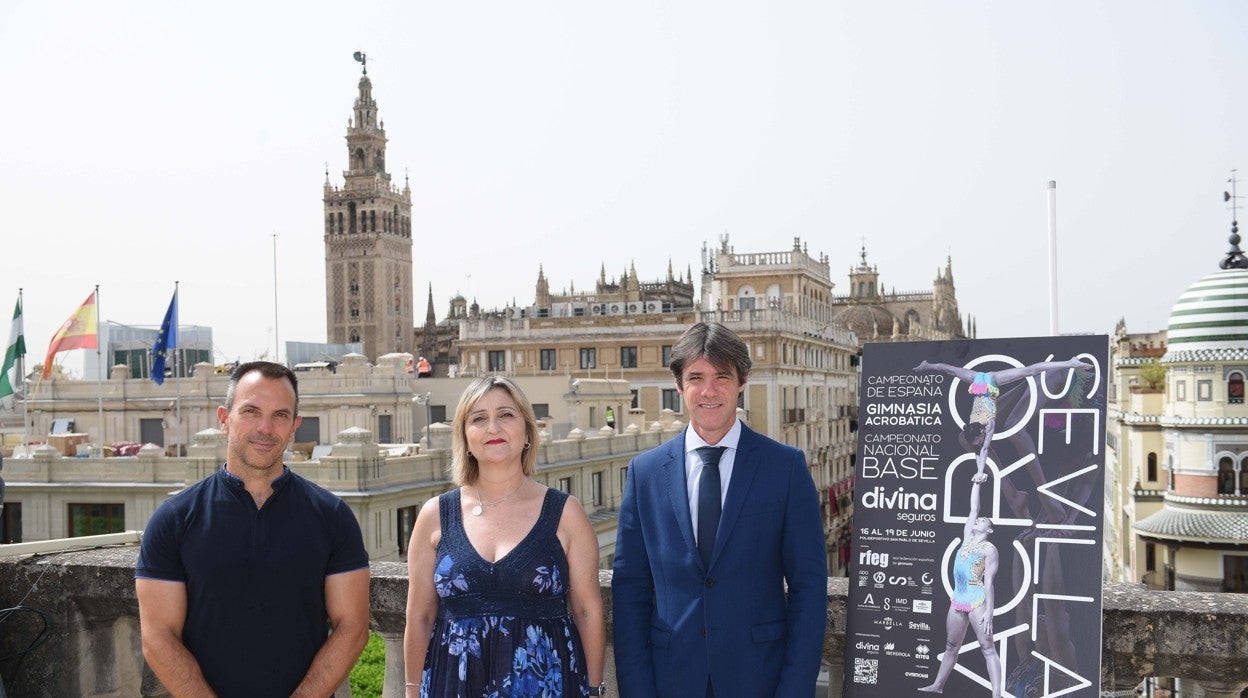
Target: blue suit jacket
677, 623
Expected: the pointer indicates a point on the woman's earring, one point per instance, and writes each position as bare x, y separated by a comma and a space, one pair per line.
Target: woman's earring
526, 445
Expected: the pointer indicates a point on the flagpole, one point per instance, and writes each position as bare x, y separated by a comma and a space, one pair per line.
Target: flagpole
99, 365
177, 381
20, 376
277, 341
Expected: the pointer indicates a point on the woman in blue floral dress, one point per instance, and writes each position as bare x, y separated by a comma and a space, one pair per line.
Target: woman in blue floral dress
503, 596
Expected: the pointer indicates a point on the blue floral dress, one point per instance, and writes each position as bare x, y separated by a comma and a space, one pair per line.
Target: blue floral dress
503, 628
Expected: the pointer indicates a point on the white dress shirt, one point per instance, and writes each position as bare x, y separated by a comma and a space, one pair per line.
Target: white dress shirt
693, 467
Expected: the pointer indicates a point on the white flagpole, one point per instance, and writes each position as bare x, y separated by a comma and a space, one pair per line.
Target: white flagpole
99, 364
20, 375
1052, 257
177, 363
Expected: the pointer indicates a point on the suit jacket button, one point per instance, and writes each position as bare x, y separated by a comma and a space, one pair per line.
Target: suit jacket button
710, 582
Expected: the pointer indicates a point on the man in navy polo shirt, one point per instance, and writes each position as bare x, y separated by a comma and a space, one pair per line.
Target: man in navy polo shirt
241, 576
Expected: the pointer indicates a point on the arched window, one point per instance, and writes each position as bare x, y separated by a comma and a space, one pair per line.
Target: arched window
1235, 388
1226, 475
1152, 467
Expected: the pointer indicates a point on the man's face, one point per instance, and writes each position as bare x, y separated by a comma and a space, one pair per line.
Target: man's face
710, 396
259, 425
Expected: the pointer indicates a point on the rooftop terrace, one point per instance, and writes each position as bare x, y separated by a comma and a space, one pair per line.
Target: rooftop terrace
92, 645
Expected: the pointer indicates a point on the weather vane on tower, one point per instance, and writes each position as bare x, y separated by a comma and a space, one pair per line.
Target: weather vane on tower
1235, 258
363, 60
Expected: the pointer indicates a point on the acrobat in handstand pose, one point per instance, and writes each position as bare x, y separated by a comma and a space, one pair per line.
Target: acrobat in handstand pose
986, 387
971, 604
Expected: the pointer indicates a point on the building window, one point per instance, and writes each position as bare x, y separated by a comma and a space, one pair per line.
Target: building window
96, 519
549, 362
406, 521
565, 484
623, 478
596, 484
1150, 557
1235, 574
309, 430
667, 355
1235, 389
1226, 475
636, 402
384, 433
589, 357
498, 361
628, 359
1204, 390
1180, 391
671, 400
1152, 467
11, 522
541, 410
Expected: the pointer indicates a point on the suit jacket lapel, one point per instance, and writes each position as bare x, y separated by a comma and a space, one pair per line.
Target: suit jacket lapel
745, 466
677, 486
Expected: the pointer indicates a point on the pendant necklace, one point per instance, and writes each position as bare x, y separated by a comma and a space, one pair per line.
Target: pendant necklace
479, 508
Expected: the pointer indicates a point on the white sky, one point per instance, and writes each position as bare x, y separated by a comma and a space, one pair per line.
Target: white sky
148, 142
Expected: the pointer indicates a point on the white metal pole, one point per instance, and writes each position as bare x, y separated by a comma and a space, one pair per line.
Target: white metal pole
1052, 257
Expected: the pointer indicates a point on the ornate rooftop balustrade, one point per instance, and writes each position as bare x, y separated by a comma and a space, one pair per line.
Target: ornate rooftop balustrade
92, 641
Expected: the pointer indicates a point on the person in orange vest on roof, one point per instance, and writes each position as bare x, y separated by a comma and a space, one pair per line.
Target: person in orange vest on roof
423, 368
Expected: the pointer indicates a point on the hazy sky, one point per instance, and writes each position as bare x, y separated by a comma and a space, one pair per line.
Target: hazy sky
148, 142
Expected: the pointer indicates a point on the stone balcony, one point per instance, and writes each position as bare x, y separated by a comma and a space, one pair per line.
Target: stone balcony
91, 647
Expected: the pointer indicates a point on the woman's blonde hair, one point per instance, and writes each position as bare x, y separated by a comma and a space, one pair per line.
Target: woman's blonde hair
464, 467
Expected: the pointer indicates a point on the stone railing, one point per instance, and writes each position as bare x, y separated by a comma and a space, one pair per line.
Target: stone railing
91, 646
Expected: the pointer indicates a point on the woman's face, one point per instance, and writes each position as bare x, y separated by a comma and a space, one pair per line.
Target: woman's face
494, 429
982, 526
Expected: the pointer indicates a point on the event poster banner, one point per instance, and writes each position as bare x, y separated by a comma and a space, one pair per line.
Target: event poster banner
978, 518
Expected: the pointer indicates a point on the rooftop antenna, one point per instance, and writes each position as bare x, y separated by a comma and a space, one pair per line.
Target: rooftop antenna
362, 59
1235, 258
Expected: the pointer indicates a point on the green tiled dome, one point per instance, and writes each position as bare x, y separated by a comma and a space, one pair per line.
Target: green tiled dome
1211, 316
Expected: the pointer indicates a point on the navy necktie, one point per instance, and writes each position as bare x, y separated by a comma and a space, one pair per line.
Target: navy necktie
708, 501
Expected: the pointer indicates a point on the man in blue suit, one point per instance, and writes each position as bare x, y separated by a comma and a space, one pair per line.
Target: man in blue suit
713, 525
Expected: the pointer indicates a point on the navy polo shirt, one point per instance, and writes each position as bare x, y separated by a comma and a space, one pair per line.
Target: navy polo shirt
255, 578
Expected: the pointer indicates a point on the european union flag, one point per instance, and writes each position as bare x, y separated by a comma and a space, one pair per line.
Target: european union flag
166, 340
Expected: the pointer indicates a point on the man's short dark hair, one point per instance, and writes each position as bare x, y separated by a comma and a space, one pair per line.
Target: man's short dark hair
268, 369
714, 342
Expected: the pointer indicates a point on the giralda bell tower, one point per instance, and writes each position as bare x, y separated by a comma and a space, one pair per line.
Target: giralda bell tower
368, 242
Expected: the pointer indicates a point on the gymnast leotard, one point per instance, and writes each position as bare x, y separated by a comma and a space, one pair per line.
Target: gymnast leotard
968, 576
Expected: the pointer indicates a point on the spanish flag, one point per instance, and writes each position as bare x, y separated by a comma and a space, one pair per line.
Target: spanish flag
78, 332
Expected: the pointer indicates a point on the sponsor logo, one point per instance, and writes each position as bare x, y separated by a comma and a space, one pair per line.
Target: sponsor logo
922, 606
888, 646
921, 652
879, 578
919, 626
916, 675
927, 579
868, 557
867, 646
888, 622
900, 499
899, 581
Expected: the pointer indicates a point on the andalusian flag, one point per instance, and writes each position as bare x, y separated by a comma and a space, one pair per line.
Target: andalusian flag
167, 339
78, 332
16, 350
